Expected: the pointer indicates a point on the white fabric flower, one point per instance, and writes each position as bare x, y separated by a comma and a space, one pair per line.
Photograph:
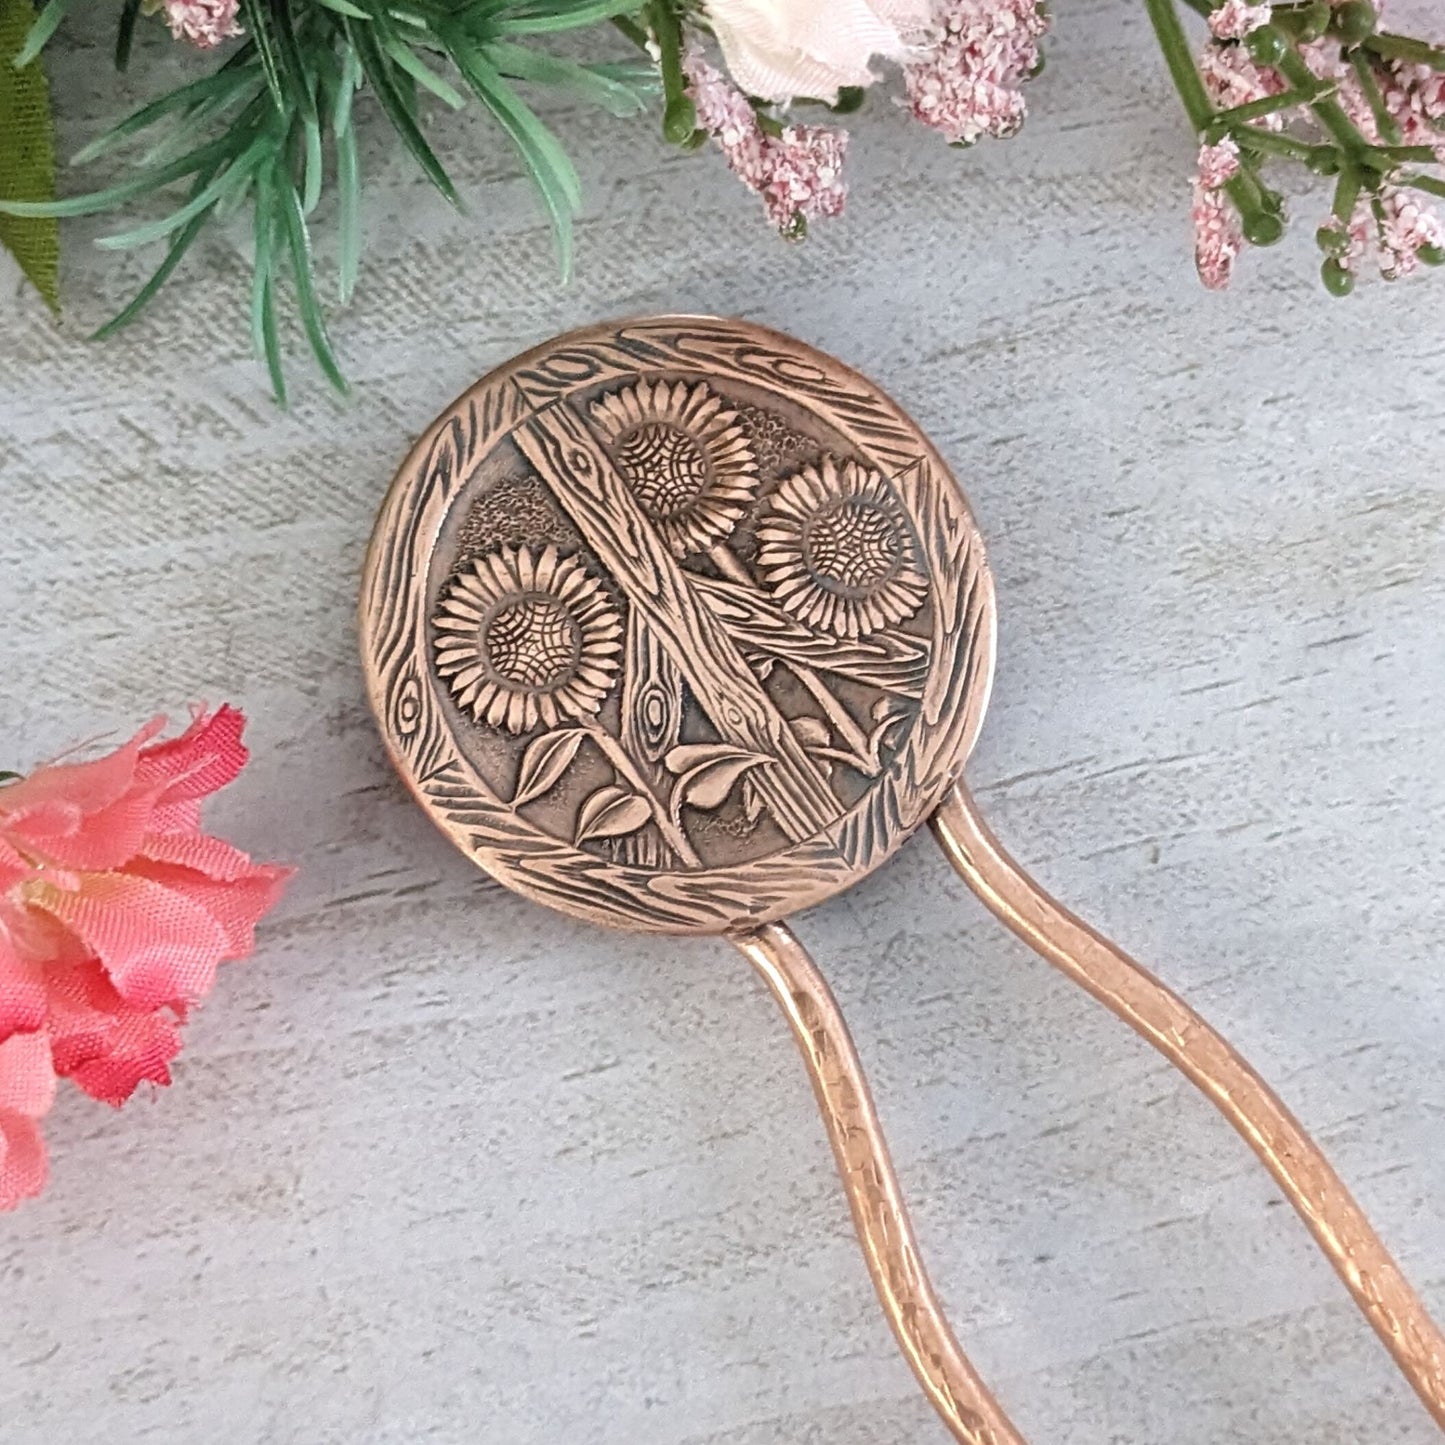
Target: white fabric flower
781, 49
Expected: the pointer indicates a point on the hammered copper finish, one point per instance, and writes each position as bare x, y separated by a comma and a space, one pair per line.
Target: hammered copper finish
879, 1214
1207, 1060
680, 625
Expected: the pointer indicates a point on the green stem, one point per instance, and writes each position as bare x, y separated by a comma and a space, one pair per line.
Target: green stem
1404, 47
1384, 121
1271, 104
1428, 184
1347, 193
1180, 60
679, 116
1418, 155
632, 30
1273, 142
1327, 112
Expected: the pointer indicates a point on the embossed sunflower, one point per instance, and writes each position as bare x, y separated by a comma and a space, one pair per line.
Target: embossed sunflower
686, 457
527, 636
836, 550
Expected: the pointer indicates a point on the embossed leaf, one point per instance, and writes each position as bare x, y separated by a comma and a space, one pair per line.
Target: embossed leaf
611, 812
710, 778
544, 762
687, 756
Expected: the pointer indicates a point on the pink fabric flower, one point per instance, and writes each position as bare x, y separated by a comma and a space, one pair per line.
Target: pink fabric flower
798, 174
967, 84
205, 23
1235, 19
1218, 238
115, 911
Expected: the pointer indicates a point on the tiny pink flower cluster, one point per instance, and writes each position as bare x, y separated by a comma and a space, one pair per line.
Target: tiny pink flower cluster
205, 23
1392, 225
1413, 95
1232, 79
1235, 19
1218, 238
967, 85
798, 174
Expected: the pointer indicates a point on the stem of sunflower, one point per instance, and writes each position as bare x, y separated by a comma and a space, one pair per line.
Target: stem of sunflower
617, 755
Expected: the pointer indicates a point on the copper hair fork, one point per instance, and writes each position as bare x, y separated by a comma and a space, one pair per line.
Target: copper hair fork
680, 625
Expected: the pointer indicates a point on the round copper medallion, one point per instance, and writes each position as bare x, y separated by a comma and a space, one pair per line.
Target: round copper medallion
677, 624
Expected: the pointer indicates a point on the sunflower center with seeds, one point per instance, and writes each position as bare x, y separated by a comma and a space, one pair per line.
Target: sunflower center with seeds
852, 547
532, 641
667, 469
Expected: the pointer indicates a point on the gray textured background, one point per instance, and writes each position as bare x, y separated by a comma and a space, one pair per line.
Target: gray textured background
442, 1167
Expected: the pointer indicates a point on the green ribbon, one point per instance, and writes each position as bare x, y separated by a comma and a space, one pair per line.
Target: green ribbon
27, 154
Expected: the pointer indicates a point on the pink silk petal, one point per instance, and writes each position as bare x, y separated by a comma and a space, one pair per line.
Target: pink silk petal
23, 1167
213, 857
182, 817
13, 868
40, 938
27, 1090
106, 1046
89, 786
102, 838
236, 906
27, 1075
22, 985
205, 757
156, 943
50, 815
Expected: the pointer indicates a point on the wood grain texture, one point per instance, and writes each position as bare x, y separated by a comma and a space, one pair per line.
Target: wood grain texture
441, 1166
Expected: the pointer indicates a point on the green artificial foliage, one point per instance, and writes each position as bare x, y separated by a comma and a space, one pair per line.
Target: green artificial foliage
272, 128
27, 149
274, 125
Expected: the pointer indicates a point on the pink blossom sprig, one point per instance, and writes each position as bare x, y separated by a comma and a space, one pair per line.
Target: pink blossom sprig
968, 83
797, 170
1318, 83
962, 64
205, 23
1218, 239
